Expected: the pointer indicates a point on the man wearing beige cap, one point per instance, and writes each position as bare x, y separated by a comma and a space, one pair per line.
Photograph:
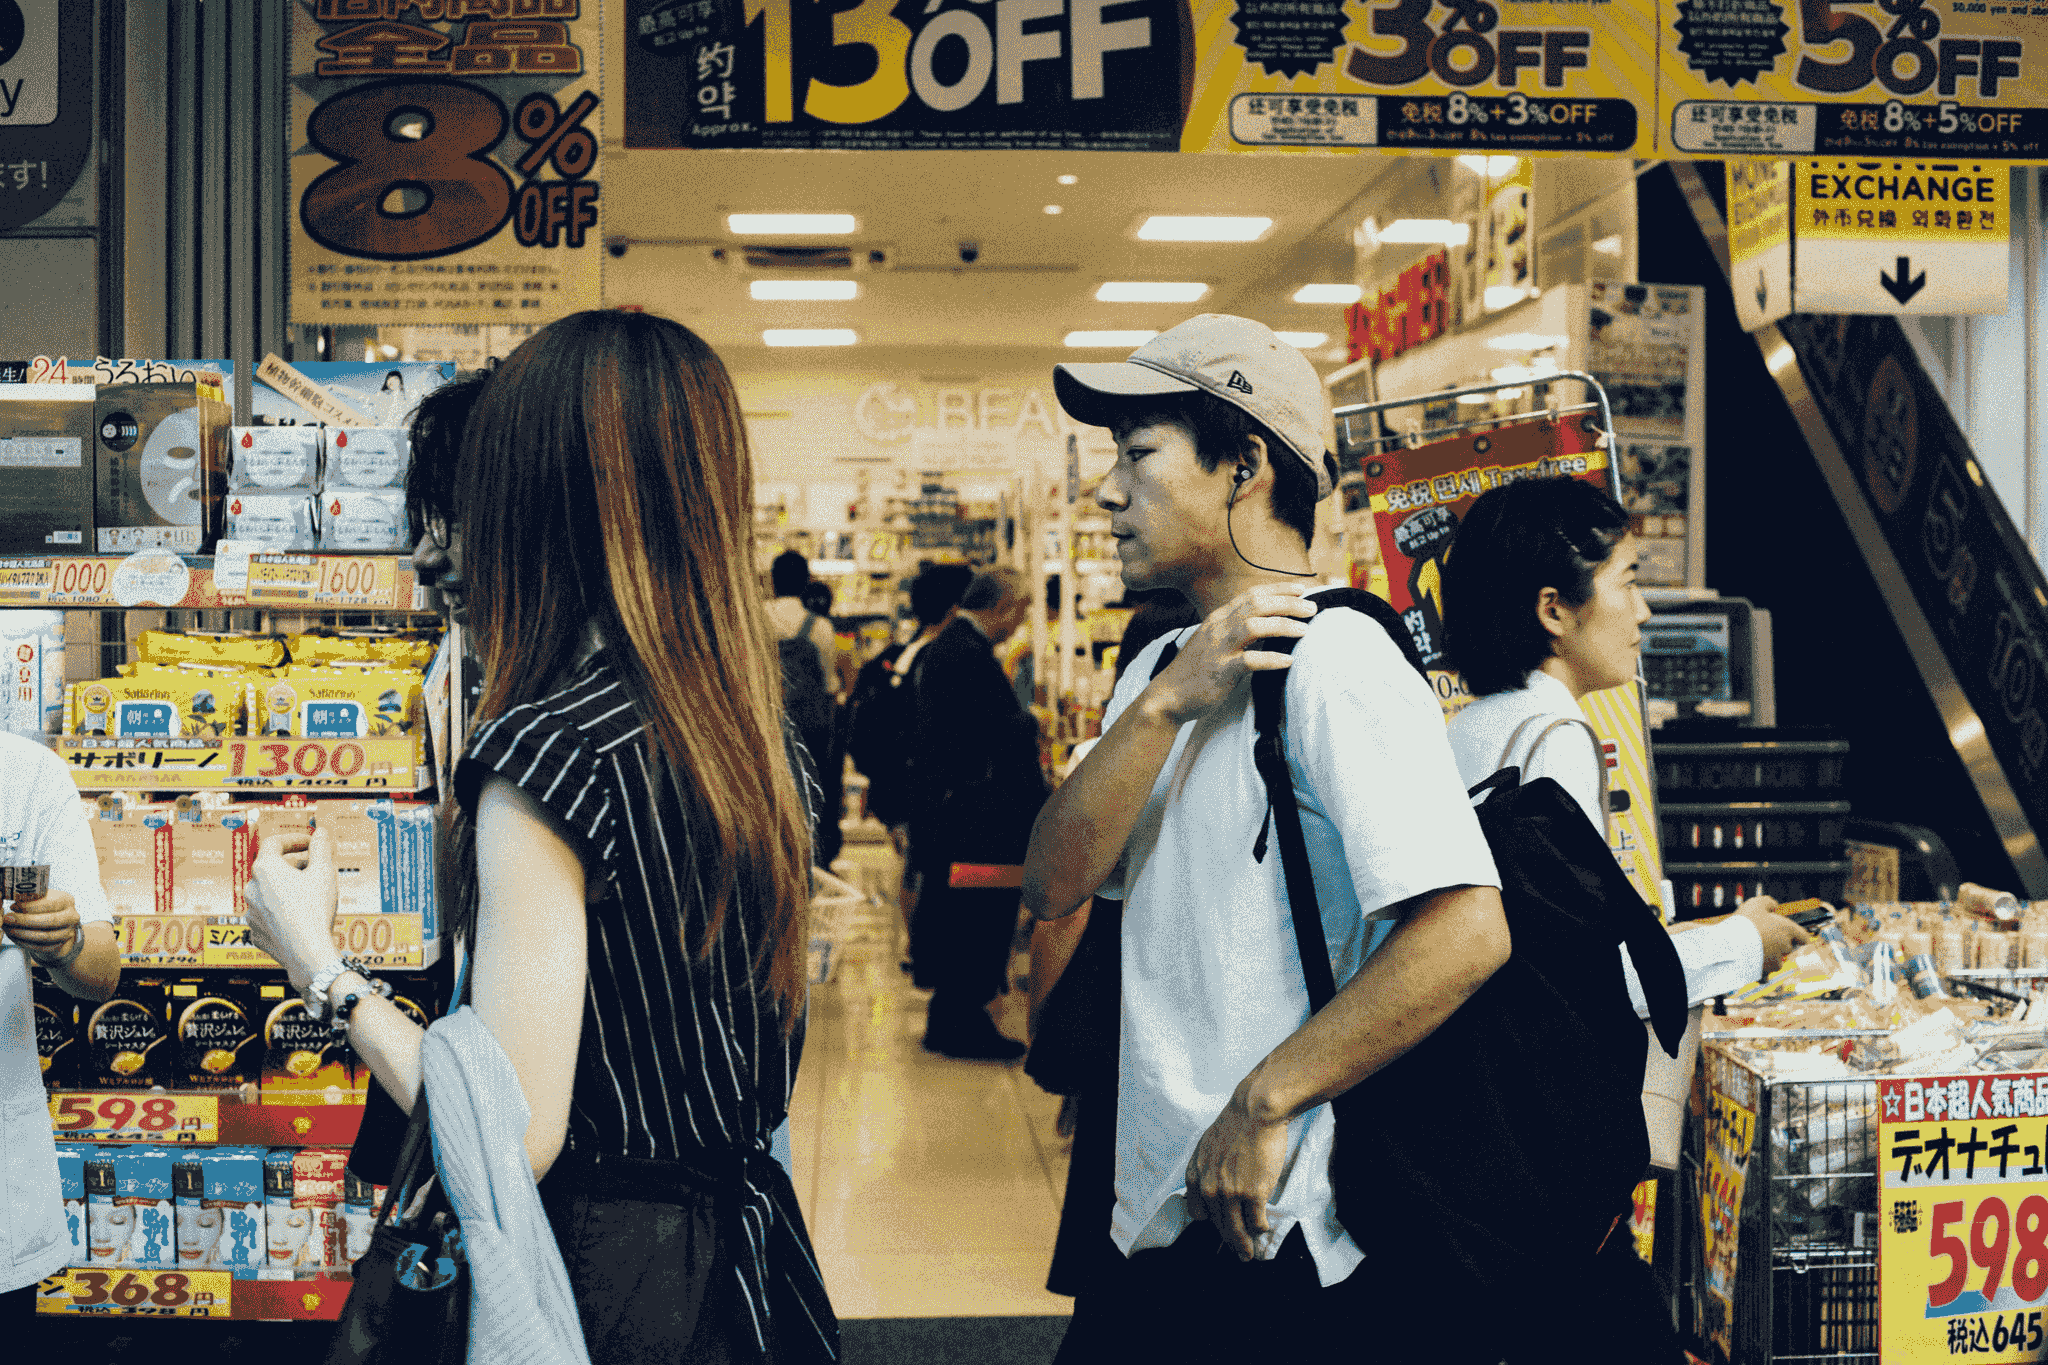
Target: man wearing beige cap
1224, 1208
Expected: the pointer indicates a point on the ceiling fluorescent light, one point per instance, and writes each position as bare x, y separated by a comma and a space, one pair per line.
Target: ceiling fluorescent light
1054, 209
802, 290
1303, 340
1170, 228
1492, 167
1150, 291
791, 224
1328, 293
1070, 180
1524, 341
809, 336
1133, 340
1426, 232
1608, 246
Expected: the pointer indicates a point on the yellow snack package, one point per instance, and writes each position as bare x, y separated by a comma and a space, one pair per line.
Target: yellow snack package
398, 650
314, 703
158, 704
228, 651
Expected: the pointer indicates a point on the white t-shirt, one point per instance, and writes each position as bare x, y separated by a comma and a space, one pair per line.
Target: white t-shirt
1212, 978
41, 821
1717, 958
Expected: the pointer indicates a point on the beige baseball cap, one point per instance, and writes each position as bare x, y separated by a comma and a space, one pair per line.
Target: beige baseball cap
1236, 359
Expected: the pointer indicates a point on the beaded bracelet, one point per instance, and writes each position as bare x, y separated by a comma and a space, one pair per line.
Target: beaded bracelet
378, 986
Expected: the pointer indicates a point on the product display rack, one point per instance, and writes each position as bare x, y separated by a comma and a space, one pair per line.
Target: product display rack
245, 591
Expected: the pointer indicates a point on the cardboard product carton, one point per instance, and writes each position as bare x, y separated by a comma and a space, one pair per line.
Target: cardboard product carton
58, 1050
410, 884
362, 848
367, 457
220, 1225
32, 655
302, 1195
271, 458
160, 466
214, 1039
125, 1037
303, 1061
142, 1193
211, 858
360, 1202
71, 1188
106, 1231
134, 847
275, 521
46, 469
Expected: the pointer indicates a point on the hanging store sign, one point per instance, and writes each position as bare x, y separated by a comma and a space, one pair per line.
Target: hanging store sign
445, 161
1142, 75
1760, 240
1900, 236
1886, 78
46, 98
1963, 1217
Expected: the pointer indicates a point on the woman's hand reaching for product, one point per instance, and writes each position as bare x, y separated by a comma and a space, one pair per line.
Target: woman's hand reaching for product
1225, 647
292, 903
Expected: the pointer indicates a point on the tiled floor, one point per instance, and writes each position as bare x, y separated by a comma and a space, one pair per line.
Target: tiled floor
931, 1187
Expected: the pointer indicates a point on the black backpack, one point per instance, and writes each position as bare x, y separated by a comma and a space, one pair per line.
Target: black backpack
1508, 1141
805, 695
880, 719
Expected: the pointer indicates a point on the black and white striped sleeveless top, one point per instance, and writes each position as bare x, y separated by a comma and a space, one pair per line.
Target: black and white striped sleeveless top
680, 1055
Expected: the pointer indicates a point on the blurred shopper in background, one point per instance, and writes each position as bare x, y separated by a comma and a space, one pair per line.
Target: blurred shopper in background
976, 786
631, 860
803, 641
1541, 608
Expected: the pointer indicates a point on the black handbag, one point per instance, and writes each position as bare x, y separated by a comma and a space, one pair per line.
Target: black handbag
409, 1304
1074, 1050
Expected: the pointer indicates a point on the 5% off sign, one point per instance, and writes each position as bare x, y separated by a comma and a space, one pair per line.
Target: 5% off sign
1963, 1217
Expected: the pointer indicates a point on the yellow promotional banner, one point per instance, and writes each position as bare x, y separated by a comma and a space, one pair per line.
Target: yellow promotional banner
1145, 75
444, 161
1963, 1218
1853, 78
1731, 1138
1616, 716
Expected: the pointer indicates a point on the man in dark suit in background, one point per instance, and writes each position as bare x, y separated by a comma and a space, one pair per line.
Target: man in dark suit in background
978, 787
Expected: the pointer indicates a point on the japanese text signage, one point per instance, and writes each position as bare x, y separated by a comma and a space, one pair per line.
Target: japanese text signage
1963, 1217
1143, 75
1900, 236
46, 105
1887, 78
445, 162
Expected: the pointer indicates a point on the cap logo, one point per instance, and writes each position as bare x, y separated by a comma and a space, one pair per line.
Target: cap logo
1238, 381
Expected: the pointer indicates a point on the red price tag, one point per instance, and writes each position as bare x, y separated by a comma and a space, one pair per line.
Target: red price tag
119, 1116
138, 1293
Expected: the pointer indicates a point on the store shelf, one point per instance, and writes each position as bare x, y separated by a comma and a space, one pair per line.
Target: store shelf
244, 763
198, 1119
115, 1292
390, 941
308, 582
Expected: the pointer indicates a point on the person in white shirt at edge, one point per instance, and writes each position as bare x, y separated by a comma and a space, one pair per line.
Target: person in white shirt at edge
1540, 609
1224, 1209
70, 932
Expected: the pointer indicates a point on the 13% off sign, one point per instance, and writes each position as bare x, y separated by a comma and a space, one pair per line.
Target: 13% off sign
1963, 1217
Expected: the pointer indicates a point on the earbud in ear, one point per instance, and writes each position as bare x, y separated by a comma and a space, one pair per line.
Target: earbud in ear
1244, 474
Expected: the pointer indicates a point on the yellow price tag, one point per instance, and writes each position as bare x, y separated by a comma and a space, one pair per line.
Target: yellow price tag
325, 580
138, 1116
138, 1293
163, 940
228, 945
381, 940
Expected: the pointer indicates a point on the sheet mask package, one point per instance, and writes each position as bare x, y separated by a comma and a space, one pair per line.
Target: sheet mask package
272, 458
32, 646
157, 703
159, 467
134, 847
211, 861
302, 1195
360, 1201
303, 1062
366, 519
58, 1051
275, 521
46, 469
220, 1211
106, 1228
71, 1188
367, 457
214, 1038
142, 1190
124, 1037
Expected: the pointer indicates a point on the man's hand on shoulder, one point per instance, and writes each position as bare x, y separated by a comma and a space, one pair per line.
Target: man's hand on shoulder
1224, 648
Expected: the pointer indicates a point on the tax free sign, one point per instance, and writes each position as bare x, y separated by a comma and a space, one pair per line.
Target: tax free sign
1883, 237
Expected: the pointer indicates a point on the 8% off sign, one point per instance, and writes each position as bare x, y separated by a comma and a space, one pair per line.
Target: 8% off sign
1963, 1218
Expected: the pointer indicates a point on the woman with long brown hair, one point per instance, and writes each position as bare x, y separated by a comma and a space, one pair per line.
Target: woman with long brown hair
631, 858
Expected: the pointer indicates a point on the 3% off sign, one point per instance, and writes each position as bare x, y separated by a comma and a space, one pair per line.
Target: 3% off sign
1963, 1218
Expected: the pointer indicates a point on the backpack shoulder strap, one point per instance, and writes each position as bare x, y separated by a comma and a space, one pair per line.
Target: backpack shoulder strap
1269, 757
1562, 723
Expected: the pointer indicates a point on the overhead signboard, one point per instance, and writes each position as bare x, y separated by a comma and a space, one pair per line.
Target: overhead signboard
1144, 75
1760, 240
444, 164
1900, 237
1868, 78
46, 105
